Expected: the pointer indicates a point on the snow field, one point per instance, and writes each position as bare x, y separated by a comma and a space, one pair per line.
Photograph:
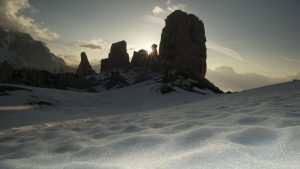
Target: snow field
253, 129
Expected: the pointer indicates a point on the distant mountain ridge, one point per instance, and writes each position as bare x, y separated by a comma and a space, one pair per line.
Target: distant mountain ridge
21, 50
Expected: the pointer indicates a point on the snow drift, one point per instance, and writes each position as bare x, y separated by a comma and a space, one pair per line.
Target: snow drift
141, 129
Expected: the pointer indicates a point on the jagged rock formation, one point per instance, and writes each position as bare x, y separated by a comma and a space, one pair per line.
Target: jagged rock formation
182, 45
155, 63
130, 75
154, 52
21, 50
140, 58
123, 77
148, 61
118, 56
181, 62
104, 65
84, 68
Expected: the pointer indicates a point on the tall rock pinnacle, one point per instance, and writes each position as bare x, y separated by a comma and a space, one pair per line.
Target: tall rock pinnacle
182, 43
84, 68
118, 56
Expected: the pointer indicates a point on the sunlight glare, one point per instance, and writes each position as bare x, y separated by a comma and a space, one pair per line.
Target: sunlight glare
147, 47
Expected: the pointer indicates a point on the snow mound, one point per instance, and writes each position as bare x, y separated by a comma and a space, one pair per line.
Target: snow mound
258, 128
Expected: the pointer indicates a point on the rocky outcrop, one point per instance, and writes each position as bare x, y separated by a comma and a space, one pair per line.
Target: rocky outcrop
182, 45
140, 58
118, 56
104, 66
148, 61
84, 68
180, 63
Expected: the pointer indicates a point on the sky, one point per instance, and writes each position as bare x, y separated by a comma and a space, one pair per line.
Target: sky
250, 37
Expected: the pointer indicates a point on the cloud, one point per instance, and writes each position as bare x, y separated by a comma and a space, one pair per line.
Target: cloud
229, 80
160, 12
168, 6
70, 59
93, 44
131, 48
95, 48
172, 7
231, 53
157, 10
168, 2
154, 19
289, 59
11, 18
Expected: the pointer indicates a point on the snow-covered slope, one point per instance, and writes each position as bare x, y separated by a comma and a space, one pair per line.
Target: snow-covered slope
71, 104
137, 128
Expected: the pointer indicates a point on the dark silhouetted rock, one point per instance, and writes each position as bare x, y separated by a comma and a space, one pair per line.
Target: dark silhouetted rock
154, 52
140, 58
188, 81
104, 66
148, 61
118, 56
84, 68
182, 45
155, 62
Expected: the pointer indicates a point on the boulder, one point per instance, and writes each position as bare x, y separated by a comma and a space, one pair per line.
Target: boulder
182, 45
118, 56
84, 68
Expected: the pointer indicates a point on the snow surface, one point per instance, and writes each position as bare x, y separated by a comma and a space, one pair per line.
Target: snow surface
138, 128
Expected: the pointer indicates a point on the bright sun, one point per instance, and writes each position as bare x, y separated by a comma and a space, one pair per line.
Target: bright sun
147, 47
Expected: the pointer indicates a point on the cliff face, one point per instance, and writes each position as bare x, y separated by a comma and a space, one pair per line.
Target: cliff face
104, 66
84, 68
182, 45
118, 56
21, 50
